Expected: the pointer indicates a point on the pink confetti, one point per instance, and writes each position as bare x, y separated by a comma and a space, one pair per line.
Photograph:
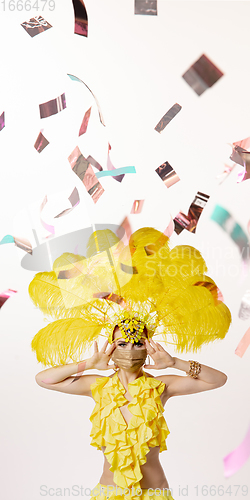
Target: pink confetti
41, 142
85, 122
110, 166
124, 236
48, 227
236, 459
6, 295
137, 207
243, 344
169, 229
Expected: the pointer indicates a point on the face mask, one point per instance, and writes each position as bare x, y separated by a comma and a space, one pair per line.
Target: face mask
130, 360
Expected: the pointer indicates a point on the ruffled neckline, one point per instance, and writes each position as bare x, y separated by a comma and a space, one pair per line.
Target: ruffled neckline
127, 444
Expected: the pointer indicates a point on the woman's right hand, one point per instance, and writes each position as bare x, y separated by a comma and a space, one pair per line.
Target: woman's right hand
100, 359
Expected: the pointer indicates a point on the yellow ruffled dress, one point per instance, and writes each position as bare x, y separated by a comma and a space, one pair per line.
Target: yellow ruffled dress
128, 444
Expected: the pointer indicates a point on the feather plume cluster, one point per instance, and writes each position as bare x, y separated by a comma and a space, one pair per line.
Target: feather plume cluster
167, 289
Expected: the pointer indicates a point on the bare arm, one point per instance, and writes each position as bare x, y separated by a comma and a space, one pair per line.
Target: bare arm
69, 379
176, 385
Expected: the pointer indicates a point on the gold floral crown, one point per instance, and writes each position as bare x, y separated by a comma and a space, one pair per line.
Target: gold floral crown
131, 328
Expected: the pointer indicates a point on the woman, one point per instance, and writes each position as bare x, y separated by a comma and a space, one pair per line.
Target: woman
130, 294
62, 379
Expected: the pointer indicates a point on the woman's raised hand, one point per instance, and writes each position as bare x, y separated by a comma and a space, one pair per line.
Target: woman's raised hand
100, 359
161, 357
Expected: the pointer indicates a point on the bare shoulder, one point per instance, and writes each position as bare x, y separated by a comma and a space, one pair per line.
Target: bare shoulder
79, 385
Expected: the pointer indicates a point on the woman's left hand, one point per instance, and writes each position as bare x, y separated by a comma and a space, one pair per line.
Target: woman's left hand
161, 357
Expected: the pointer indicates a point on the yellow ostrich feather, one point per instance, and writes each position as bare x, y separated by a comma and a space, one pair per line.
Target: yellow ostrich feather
166, 289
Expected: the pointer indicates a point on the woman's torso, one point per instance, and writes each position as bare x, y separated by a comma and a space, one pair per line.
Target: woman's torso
152, 471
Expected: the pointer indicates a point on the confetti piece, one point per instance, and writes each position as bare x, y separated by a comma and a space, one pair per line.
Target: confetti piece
236, 155
68, 274
227, 222
155, 247
94, 163
227, 170
76, 79
242, 157
6, 295
85, 122
236, 459
110, 166
171, 113
36, 25
169, 229
190, 221
52, 107
243, 344
124, 231
202, 75
244, 143
84, 171
116, 172
216, 293
74, 199
245, 155
81, 18
146, 7
128, 269
2, 121
48, 227
137, 207
110, 296
167, 174
7, 239
41, 142
19, 242
23, 244
244, 312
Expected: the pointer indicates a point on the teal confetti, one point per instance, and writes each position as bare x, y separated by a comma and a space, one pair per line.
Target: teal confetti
7, 239
116, 172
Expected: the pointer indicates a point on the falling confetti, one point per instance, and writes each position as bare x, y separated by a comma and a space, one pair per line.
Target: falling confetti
244, 312
94, 163
2, 121
6, 295
171, 113
232, 228
85, 122
81, 18
137, 207
190, 221
202, 75
116, 172
76, 79
243, 344
19, 242
146, 7
167, 174
84, 171
36, 25
52, 107
110, 166
236, 459
41, 142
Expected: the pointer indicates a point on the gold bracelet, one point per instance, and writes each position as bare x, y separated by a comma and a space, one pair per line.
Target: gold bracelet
194, 369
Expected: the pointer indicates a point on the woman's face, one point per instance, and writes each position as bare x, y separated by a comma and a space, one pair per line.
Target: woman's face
121, 344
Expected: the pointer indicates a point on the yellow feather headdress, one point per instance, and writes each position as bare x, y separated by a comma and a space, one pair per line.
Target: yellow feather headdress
141, 284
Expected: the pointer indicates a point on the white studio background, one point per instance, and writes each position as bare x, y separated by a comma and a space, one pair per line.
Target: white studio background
133, 65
